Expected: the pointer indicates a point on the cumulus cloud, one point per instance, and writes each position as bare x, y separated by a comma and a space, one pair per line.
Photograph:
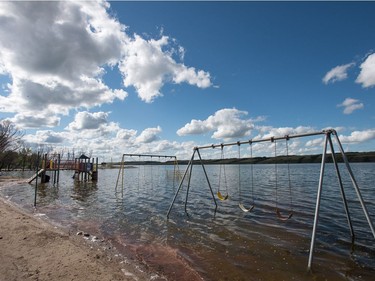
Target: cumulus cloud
45, 137
358, 136
149, 135
147, 67
34, 120
337, 73
225, 124
367, 75
350, 105
87, 121
267, 132
56, 53
126, 134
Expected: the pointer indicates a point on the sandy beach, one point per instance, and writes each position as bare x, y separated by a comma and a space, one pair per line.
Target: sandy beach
32, 249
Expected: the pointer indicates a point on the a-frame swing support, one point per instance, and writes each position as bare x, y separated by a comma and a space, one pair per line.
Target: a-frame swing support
327, 140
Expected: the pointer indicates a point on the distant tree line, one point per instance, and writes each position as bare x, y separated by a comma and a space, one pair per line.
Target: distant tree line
16, 155
353, 157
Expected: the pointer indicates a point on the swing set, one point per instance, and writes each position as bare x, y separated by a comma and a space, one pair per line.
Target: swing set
222, 174
283, 217
124, 164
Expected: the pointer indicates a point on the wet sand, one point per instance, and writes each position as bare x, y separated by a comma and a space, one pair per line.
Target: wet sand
32, 248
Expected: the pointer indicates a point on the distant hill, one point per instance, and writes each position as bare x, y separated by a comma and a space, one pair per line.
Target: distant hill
353, 157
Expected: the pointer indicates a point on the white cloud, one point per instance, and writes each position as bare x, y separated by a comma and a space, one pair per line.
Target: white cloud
35, 120
350, 105
55, 55
149, 135
147, 67
88, 121
358, 136
315, 142
45, 137
367, 75
268, 132
125, 134
337, 73
225, 124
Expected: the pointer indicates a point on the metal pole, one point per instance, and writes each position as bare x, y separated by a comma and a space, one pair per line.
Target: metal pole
324, 132
208, 181
122, 175
182, 180
58, 168
188, 186
150, 155
54, 171
119, 171
355, 185
174, 172
341, 189
317, 203
36, 179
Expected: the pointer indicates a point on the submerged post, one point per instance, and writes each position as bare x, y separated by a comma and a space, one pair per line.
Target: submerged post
341, 189
317, 203
181, 182
208, 181
36, 179
355, 185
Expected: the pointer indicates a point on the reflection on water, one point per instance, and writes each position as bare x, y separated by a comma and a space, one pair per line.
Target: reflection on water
229, 244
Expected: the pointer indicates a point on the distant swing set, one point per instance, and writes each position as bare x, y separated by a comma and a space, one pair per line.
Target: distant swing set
126, 164
222, 192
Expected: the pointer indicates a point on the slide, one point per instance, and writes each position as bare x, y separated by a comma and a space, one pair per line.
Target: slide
34, 176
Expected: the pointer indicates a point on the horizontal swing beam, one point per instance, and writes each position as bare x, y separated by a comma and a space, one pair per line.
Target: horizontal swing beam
286, 137
149, 155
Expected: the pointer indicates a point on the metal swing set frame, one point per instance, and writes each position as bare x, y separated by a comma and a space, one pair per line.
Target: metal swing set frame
327, 141
176, 168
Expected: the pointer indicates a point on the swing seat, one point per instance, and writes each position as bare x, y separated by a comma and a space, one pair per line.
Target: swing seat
242, 207
281, 217
221, 197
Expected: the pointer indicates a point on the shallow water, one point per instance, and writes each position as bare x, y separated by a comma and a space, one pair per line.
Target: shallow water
228, 244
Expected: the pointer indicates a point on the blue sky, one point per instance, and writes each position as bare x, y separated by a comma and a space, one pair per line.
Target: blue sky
163, 77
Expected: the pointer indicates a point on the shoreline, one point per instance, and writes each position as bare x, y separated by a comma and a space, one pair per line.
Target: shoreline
34, 247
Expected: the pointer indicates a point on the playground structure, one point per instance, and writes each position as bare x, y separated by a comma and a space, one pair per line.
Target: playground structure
85, 170
126, 164
49, 163
327, 141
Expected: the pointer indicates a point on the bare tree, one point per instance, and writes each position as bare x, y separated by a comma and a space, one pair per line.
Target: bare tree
10, 136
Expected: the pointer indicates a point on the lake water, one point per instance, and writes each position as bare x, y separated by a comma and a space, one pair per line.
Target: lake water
228, 244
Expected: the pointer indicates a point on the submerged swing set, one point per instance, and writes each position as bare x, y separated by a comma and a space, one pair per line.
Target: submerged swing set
222, 197
123, 164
